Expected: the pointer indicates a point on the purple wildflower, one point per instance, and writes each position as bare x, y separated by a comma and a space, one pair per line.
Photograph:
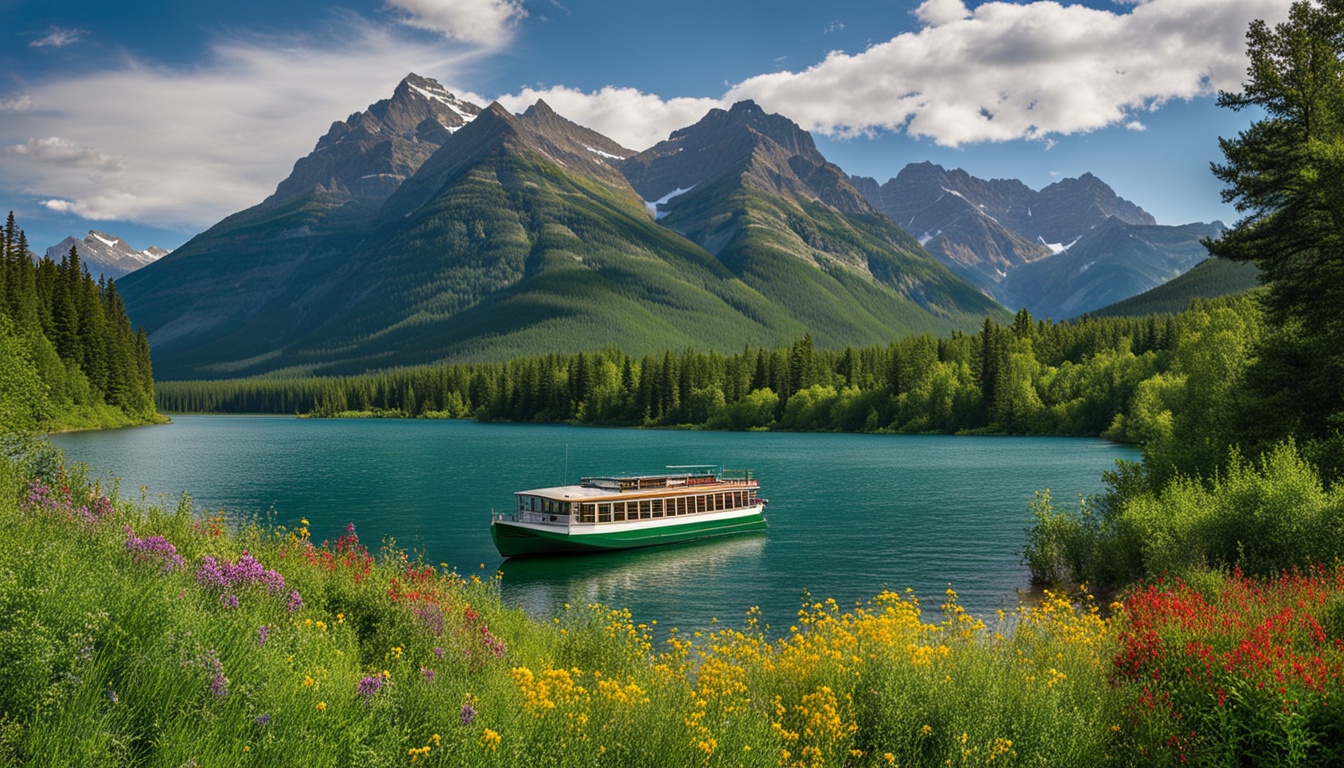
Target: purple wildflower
246, 572
262, 632
431, 618
468, 713
369, 686
219, 686
230, 601
438, 651
427, 673
155, 548
295, 602
263, 719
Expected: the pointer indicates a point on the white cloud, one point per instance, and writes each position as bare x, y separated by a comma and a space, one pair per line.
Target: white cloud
183, 148
937, 12
1002, 72
635, 119
1009, 71
17, 104
55, 151
58, 37
478, 22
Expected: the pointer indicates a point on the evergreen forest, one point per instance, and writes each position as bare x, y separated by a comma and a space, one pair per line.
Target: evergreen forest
71, 359
1086, 377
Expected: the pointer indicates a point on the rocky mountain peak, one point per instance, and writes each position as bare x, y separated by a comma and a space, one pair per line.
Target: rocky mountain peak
761, 150
106, 255
365, 157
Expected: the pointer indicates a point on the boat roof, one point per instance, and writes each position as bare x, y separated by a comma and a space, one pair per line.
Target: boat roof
698, 476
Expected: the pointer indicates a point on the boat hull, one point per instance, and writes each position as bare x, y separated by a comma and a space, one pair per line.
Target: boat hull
518, 540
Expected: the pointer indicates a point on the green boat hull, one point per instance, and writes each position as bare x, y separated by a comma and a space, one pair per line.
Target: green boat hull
516, 540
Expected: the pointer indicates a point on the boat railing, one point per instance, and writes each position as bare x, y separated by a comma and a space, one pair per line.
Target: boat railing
528, 516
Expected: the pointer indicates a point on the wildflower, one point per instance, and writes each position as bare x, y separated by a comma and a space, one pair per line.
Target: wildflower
263, 720
229, 601
155, 548
467, 714
308, 681
262, 633
321, 706
295, 602
369, 686
427, 674
219, 686
489, 739
438, 651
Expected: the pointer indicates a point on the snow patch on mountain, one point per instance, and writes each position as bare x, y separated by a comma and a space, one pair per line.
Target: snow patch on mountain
653, 205
600, 153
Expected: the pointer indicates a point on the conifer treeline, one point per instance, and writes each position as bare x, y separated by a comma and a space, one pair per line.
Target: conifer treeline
1029, 377
74, 333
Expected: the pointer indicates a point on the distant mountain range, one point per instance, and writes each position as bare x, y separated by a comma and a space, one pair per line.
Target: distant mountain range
1063, 251
396, 243
427, 229
106, 255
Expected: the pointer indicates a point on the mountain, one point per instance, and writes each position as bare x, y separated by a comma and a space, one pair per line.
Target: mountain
365, 158
299, 234
1208, 279
521, 234
106, 255
752, 189
1010, 240
1109, 263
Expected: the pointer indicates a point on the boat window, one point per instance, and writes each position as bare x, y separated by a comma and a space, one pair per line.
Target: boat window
586, 512
657, 507
645, 510
604, 513
699, 503
681, 505
618, 511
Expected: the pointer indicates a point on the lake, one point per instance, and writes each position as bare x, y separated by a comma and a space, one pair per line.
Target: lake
849, 515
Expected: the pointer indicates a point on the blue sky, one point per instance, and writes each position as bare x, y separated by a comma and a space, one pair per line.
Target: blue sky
153, 120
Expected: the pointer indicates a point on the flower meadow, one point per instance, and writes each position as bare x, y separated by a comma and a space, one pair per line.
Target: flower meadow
138, 634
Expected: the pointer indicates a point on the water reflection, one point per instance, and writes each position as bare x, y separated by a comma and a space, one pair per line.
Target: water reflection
540, 584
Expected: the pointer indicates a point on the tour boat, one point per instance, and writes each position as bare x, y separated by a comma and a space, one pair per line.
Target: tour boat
625, 512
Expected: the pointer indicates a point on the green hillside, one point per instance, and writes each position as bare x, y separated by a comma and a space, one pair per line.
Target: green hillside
1209, 279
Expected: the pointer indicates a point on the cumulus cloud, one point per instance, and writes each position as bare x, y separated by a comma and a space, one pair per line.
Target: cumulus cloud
1009, 71
182, 148
633, 118
58, 37
937, 12
1001, 72
478, 22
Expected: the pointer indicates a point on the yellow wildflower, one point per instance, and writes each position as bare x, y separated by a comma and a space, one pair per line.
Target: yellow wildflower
489, 739
321, 706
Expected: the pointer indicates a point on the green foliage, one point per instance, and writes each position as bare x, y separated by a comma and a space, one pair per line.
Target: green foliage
1261, 517
1285, 174
72, 360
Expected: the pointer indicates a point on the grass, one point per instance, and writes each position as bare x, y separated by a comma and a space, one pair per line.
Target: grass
135, 633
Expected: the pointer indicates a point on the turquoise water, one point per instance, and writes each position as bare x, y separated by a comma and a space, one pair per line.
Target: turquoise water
848, 516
